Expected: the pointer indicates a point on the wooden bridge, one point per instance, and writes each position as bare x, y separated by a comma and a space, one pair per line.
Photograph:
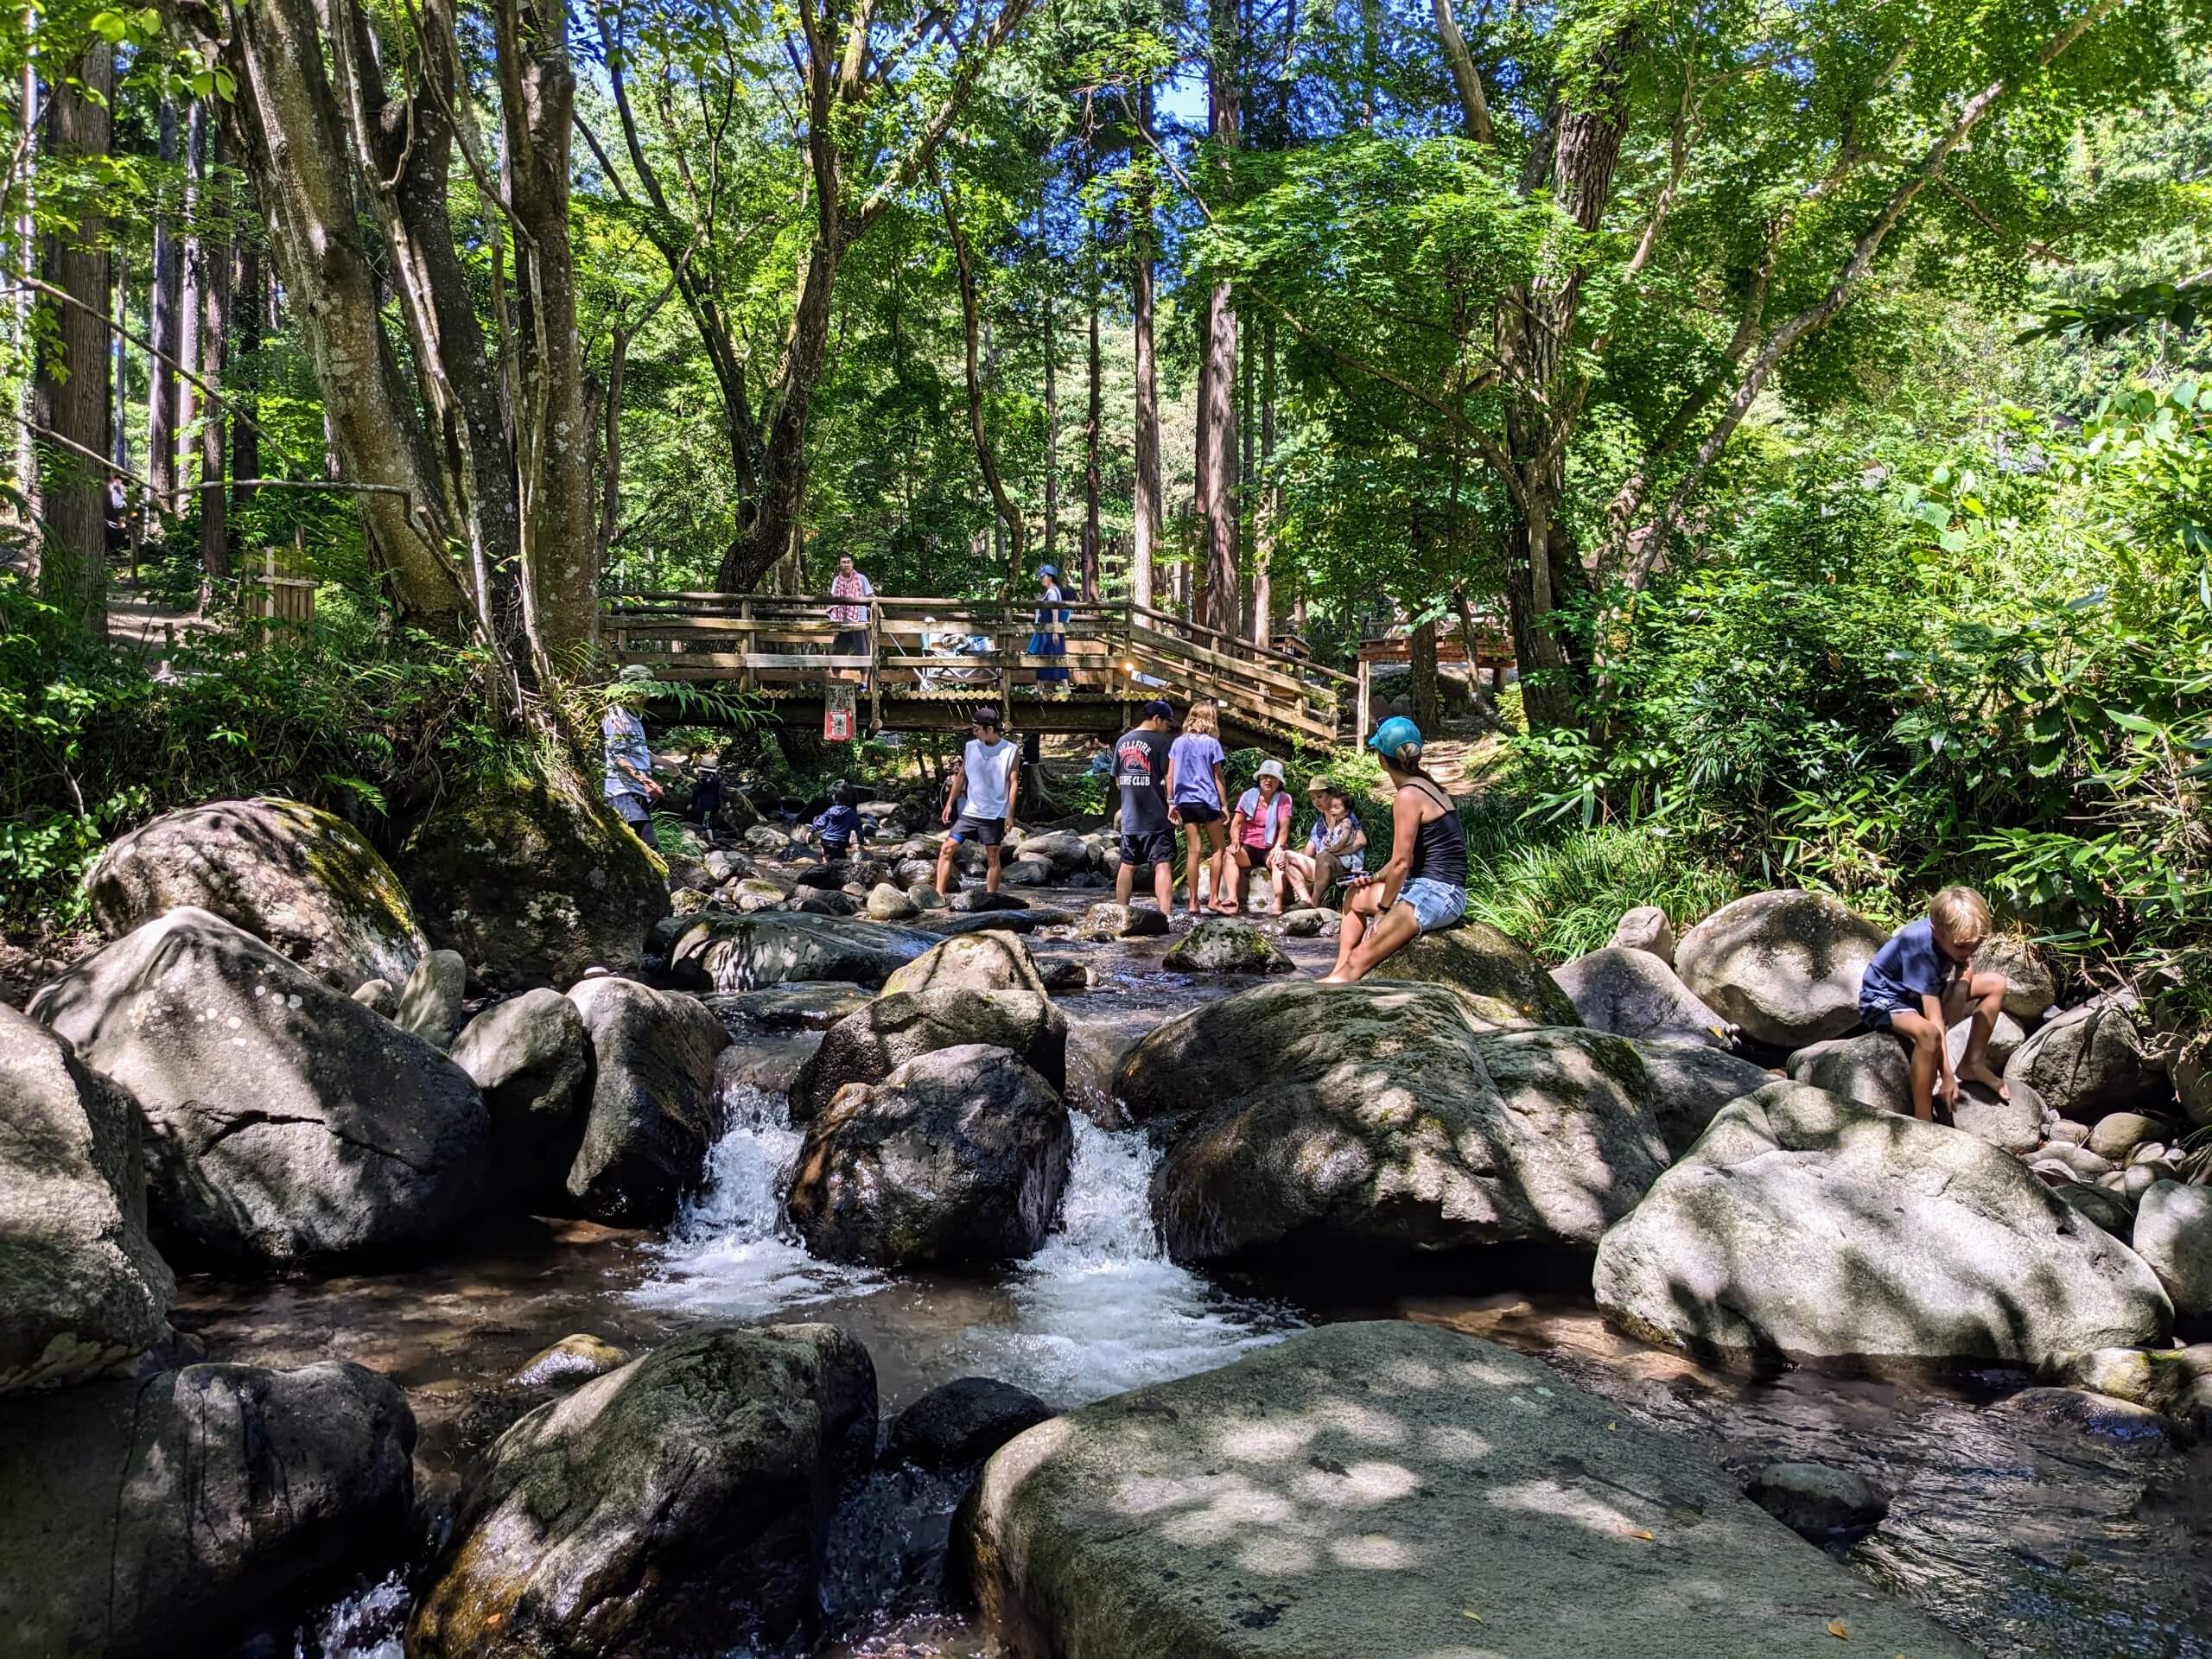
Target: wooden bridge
929, 662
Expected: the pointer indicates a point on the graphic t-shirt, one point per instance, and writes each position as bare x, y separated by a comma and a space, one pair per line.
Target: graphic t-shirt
1321, 838
1196, 755
1261, 828
1910, 966
989, 766
1140, 773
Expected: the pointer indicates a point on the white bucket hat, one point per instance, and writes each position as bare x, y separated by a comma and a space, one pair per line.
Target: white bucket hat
1271, 769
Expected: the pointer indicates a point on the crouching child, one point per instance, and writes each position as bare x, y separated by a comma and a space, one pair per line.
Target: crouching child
1922, 983
840, 828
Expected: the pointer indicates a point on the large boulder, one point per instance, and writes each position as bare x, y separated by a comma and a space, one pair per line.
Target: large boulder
430, 1001
1068, 853
82, 1287
1220, 944
2092, 1061
981, 961
1377, 1117
956, 1159
1803, 1225
157, 1515
533, 883
653, 1110
717, 951
1688, 1083
1497, 976
1394, 1489
1785, 966
2173, 1233
531, 1058
1645, 928
287, 1122
680, 1500
1633, 993
868, 1046
2029, 989
293, 875
1873, 1068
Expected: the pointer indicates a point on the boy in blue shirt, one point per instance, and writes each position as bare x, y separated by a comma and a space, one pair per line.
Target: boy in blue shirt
840, 827
1922, 983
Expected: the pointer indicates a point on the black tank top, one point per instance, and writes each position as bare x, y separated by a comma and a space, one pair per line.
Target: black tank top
1441, 844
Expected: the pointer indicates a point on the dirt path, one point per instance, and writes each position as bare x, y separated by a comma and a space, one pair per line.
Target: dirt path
140, 621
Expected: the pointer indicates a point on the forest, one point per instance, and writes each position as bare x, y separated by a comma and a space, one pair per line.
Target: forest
1709, 1148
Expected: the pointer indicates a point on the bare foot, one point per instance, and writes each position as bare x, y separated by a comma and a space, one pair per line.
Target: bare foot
1981, 1072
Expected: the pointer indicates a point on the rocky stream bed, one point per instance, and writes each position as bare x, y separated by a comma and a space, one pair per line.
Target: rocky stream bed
1272, 1327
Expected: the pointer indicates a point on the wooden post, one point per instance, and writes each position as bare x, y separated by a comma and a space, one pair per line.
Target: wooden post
1363, 708
874, 666
745, 678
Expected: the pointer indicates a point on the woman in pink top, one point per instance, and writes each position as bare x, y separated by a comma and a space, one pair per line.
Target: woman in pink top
1260, 826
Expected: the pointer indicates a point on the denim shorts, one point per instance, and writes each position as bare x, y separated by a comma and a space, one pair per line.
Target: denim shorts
1435, 903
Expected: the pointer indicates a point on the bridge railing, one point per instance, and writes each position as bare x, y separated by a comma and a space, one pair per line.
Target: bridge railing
924, 648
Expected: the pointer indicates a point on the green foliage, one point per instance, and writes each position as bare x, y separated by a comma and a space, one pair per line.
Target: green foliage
1560, 894
91, 744
1896, 668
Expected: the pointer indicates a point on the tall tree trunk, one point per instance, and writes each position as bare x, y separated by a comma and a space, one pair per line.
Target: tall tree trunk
1051, 419
162, 303
119, 421
191, 307
1427, 703
304, 176
69, 383
29, 254
1093, 425
552, 443
1267, 505
249, 318
1144, 535
1534, 330
1218, 446
1008, 516
215, 335
783, 464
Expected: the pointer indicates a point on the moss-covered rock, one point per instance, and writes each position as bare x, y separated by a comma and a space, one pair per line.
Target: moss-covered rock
1497, 976
293, 875
1218, 945
533, 883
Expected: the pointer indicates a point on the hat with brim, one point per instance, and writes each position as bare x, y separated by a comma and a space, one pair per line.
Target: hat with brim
985, 716
635, 674
1270, 769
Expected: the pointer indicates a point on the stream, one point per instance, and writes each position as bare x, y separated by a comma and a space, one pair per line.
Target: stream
2025, 1538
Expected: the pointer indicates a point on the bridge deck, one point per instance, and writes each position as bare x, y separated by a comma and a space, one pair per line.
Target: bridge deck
911, 675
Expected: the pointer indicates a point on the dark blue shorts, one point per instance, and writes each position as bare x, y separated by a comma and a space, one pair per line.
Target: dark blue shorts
1877, 1016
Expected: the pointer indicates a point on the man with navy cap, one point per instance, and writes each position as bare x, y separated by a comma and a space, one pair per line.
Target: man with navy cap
1140, 773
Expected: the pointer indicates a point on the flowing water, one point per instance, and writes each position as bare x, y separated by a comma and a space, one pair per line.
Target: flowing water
2025, 1538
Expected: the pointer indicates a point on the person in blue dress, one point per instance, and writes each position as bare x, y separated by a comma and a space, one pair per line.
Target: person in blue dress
1050, 624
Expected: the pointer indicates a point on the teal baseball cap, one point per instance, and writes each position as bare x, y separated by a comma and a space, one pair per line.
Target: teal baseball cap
1394, 736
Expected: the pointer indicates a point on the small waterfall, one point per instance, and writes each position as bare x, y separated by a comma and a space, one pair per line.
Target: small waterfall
730, 1255
368, 1624
1101, 1309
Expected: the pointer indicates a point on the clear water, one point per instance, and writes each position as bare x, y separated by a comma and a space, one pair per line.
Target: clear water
1099, 1310
2028, 1541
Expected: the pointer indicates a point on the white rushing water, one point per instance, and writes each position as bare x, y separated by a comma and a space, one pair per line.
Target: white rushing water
1099, 1310
730, 1255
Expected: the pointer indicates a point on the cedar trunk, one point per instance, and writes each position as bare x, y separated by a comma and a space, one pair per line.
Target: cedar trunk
162, 304
69, 381
1145, 500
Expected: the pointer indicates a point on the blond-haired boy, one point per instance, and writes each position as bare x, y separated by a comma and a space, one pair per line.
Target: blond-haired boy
1922, 983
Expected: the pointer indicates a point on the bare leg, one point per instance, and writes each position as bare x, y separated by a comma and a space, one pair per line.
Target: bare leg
945, 854
1359, 912
990, 869
1229, 892
1125, 881
1389, 934
1986, 992
1925, 1038
1163, 885
1217, 866
1194, 839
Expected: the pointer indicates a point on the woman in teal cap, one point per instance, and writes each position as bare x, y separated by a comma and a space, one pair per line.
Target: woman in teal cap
1424, 886
1051, 638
